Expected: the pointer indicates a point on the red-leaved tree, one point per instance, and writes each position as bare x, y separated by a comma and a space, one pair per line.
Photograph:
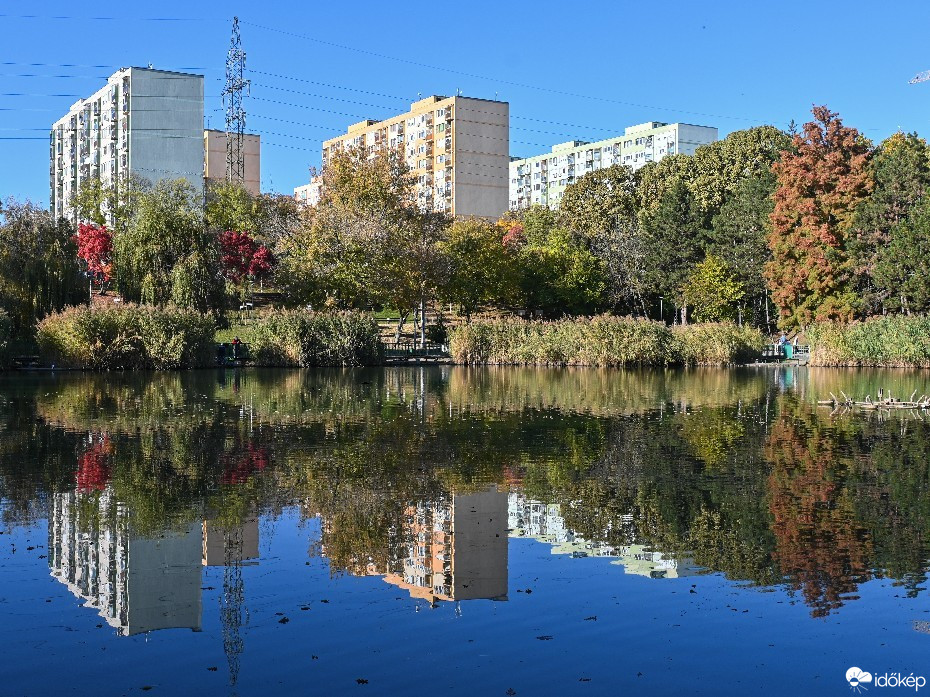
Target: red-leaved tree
95, 248
243, 257
820, 182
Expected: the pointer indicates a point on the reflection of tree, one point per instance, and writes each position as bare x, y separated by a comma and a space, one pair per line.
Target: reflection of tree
821, 546
93, 469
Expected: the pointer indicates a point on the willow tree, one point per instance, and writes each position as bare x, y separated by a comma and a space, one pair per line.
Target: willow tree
819, 184
39, 268
166, 253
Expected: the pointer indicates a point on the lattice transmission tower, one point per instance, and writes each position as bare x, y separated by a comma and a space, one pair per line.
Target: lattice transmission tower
236, 88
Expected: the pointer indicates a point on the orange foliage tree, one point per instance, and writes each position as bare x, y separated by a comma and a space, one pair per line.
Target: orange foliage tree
819, 183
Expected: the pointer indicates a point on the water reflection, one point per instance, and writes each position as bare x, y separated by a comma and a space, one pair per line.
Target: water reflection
421, 476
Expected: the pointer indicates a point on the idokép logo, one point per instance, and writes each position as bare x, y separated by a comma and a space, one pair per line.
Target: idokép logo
858, 679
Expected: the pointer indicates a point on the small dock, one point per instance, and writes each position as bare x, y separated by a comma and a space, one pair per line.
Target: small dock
786, 354
412, 352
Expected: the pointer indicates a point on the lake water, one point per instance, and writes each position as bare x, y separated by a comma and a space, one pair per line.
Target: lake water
456, 531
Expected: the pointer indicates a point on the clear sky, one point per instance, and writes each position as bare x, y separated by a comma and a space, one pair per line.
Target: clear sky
570, 70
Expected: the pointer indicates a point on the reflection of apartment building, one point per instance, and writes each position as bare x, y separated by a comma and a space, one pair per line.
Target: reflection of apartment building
214, 159
457, 149
137, 583
454, 549
223, 546
544, 522
542, 179
144, 122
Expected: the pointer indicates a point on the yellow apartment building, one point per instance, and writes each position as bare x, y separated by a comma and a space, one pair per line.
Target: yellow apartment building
457, 149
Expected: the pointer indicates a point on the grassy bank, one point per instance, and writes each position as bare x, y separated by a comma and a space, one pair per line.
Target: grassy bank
106, 337
602, 341
888, 342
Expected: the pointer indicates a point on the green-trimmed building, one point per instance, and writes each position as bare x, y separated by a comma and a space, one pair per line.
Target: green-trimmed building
542, 179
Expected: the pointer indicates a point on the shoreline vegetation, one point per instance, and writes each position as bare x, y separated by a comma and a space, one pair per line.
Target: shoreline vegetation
142, 337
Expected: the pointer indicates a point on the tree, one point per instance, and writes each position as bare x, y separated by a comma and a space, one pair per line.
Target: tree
243, 258
739, 237
112, 205
166, 253
900, 169
230, 206
674, 243
902, 266
95, 247
600, 201
39, 269
820, 184
480, 268
713, 291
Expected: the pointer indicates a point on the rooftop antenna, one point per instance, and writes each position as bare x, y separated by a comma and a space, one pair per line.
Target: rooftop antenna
236, 87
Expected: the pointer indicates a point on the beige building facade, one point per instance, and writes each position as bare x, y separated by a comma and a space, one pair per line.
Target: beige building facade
457, 149
214, 159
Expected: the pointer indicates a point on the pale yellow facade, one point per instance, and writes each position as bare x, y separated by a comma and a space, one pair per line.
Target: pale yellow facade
214, 159
457, 149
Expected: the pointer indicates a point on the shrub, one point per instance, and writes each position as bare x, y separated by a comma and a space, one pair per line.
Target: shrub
717, 343
127, 336
897, 342
601, 341
304, 338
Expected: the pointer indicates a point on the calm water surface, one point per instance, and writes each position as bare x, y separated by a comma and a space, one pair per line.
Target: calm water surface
419, 531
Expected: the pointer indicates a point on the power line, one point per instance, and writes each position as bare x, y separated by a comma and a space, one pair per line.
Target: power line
522, 85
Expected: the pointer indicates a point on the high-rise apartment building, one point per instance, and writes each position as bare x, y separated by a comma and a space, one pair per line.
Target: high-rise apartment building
457, 149
214, 159
145, 123
542, 179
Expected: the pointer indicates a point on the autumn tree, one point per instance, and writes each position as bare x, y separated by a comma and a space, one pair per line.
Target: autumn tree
243, 259
820, 183
95, 248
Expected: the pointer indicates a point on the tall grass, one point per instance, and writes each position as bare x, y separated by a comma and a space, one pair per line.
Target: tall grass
127, 337
893, 342
303, 338
601, 341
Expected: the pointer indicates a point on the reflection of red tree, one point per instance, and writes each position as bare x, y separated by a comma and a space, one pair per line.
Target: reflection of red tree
93, 470
240, 464
821, 547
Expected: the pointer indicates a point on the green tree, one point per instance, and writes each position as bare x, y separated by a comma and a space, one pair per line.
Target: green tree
739, 237
600, 201
167, 253
713, 291
479, 267
674, 243
902, 265
112, 205
230, 206
39, 269
900, 169
820, 184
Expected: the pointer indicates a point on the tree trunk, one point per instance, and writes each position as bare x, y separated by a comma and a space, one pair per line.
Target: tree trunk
401, 319
422, 322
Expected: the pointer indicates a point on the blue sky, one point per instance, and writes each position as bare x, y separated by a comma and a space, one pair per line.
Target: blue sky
579, 70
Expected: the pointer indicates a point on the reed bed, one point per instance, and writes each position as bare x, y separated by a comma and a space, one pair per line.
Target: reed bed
606, 341
105, 337
887, 342
304, 338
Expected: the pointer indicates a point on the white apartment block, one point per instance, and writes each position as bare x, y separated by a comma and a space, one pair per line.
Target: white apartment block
310, 194
145, 123
457, 149
542, 179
